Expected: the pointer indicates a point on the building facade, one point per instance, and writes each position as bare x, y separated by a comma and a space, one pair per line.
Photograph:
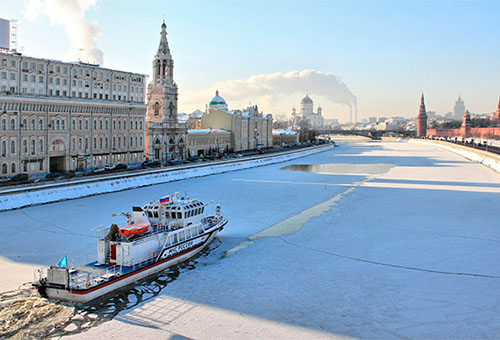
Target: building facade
250, 129
59, 116
202, 142
166, 138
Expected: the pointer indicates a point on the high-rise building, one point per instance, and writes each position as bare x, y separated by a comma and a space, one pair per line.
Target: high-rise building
166, 138
4, 34
459, 109
422, 119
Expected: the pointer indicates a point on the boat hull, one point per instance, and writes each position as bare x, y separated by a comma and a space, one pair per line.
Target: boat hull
166, 259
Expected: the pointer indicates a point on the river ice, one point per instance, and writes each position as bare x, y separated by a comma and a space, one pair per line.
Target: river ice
411, 252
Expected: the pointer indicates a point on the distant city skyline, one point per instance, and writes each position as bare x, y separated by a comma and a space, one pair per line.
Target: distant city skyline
378, 54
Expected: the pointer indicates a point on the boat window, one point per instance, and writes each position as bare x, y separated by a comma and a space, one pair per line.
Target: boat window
181, 236
150, 214
202, 209
156, 214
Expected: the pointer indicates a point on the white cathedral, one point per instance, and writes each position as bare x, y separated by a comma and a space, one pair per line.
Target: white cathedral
314, 119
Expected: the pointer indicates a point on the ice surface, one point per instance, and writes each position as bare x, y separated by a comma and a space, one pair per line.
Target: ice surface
409, 253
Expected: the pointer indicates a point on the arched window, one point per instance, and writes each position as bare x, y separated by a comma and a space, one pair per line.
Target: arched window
80, 124
157, 109
95, 124
41, 145
33, 147
100, 125
73, 124
136, 125
131, 125
13, 168
4, 124
25, 124
25, 146
181, 141
4, 168
157, 141
141, 124
86, 124
40, 124
4, 148
140, 141
52, 124
57, 124
119, 125
12, 124
13, 147
63, 127
124, 124
170, 141
32, 124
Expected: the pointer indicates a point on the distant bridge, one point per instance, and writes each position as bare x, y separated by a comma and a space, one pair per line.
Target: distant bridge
372, 134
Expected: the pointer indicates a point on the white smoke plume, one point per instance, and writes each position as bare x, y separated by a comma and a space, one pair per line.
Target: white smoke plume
269, 87
70, 14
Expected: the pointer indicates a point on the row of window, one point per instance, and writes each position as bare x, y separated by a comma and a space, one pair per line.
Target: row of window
102, 143
59, 124
6, 152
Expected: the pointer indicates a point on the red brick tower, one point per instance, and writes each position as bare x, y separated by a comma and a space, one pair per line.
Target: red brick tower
497, 116
422, 119
466, 125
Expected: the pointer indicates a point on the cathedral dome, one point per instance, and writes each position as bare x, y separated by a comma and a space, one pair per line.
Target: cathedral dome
306, 100
217, 100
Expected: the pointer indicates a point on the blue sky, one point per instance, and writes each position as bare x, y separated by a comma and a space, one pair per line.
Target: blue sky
386, 52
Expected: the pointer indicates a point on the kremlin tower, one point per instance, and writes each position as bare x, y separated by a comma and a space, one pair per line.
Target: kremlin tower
466, 125
497, 116
422, 119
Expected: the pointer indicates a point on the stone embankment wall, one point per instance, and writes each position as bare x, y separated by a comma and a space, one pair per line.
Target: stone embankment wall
21, 197
484, 133
487, 158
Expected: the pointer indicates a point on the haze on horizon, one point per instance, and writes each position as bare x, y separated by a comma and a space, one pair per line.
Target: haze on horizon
378, 54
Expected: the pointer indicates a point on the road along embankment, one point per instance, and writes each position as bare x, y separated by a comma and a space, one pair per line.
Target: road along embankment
486, 158
39, 194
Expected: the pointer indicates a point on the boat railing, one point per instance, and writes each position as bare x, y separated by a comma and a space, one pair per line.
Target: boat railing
83, 279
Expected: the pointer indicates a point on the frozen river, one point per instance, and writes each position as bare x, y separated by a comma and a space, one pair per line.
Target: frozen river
369, 240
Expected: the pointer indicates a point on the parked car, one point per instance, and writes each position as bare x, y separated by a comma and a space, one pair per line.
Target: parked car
20, 178
151, 164
120, 166
4, 180
53, 175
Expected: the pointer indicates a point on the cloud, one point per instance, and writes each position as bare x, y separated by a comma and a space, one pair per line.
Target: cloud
70, 14
268, 88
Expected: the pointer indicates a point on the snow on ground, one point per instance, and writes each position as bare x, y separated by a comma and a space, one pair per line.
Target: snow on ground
409, 253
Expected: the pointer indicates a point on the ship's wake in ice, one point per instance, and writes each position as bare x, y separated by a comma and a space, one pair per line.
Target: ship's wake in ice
25, 315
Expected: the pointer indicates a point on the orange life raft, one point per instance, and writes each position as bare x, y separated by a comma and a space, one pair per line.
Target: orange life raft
134, 229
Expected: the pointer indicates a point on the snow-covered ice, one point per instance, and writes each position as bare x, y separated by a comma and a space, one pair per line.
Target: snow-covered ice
412, 252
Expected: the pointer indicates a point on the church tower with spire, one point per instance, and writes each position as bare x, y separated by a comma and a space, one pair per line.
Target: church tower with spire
422, 119
165, 137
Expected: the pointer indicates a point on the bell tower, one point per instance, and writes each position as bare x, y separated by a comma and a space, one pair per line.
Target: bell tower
166, 138
162, 91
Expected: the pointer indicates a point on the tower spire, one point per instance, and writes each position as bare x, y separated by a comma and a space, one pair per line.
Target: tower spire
163, 49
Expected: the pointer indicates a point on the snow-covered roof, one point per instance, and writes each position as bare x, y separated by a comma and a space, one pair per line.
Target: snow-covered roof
284, 132
207, 131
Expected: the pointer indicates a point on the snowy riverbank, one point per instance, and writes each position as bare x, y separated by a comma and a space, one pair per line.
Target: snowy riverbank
22, 197
485, 158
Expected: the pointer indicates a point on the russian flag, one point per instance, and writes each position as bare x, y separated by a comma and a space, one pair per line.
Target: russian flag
165, 199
